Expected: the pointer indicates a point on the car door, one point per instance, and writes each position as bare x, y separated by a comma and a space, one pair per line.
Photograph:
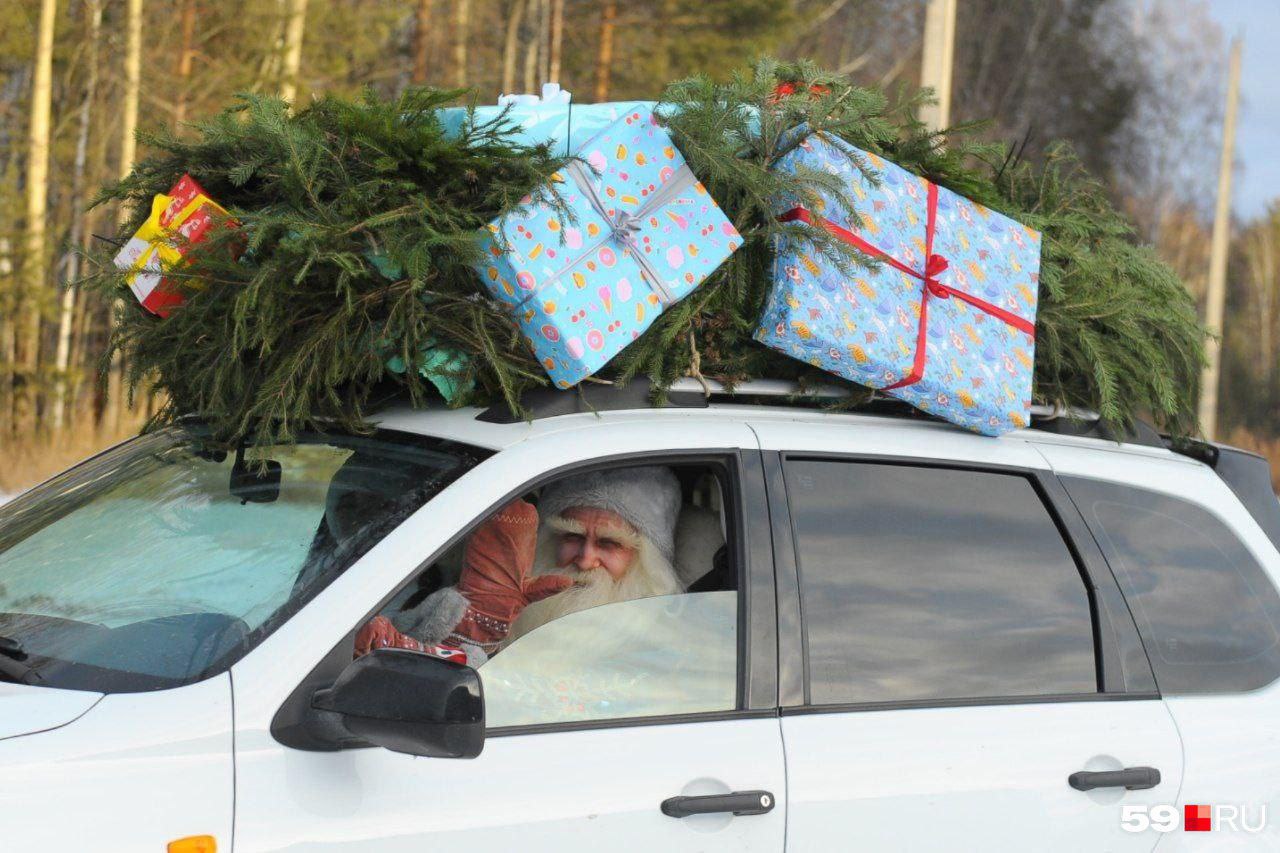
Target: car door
554, 782
956, 674
1200, 575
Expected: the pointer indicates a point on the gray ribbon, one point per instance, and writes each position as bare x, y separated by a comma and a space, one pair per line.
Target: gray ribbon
624, 226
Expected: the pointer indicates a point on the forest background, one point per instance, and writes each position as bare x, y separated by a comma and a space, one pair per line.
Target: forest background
1135, 85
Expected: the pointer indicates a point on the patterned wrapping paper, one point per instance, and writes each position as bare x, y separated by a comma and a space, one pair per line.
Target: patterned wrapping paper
644, 234
178, 221
976, 366
562, 125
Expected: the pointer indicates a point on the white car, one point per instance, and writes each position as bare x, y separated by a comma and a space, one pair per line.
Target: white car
896, 635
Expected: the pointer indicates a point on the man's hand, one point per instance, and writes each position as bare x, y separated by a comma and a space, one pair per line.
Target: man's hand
379, 633
496, 578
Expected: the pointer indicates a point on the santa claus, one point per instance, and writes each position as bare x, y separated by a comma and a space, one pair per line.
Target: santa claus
604, 537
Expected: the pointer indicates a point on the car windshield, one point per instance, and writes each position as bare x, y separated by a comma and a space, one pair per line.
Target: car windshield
161, 562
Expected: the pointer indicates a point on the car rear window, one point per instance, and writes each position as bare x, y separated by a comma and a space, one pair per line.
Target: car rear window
1207, 611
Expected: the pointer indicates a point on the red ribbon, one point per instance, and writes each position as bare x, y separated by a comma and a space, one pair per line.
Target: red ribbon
934, 266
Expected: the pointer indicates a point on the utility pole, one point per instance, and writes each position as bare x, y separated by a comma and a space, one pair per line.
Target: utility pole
937, 59
1218, 253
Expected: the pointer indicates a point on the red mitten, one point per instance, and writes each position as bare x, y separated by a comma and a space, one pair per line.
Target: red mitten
379, 633
496, 575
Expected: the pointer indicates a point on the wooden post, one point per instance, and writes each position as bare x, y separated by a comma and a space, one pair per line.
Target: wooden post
33, 265
1219, 246
938, 57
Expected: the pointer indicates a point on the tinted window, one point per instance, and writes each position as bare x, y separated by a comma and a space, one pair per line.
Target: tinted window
1205, 608
925, 584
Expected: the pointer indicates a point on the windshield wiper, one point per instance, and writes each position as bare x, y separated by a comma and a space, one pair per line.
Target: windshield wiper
12, 666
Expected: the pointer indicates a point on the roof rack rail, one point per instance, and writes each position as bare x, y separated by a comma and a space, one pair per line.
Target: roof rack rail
688, 393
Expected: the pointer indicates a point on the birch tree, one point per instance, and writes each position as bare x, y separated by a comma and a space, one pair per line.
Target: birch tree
76, 241
292, 59
128, 153
33, 262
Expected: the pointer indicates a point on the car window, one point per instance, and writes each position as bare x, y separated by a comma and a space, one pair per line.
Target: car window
672, 654
160, 561
602, 594
1206, 610
922, 584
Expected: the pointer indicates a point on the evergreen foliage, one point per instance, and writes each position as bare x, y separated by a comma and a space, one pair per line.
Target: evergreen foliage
298, 330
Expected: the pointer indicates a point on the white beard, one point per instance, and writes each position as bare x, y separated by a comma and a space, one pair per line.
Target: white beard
650, 574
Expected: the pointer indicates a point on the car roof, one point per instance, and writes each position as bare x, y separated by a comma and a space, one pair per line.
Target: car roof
478, 427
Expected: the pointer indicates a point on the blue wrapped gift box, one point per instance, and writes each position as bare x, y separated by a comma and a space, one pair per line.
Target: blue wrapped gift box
944, 321
644, 234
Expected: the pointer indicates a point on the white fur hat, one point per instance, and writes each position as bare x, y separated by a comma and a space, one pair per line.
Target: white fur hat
647, 498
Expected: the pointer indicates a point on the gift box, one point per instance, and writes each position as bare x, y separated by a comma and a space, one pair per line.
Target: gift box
178, 221
944, 321
552, 118
644, 233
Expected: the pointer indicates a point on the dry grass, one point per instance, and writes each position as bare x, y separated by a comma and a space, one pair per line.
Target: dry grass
26, 462
1268, 446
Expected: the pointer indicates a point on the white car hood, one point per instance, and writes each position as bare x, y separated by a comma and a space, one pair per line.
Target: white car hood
26, 710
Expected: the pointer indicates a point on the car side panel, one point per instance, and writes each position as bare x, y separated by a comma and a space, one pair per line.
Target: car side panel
135, 772
556, 790
1231, 742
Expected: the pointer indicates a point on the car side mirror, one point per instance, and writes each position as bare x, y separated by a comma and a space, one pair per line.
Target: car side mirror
409, 702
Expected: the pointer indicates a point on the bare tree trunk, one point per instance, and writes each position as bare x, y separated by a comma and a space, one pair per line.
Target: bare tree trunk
76, 241
604, 56
557, 38
535, 41
33, 269
8, 354
511, 46
269, 68
128, 151
461, 27
295, 26
421, 33
185, 56
544, 41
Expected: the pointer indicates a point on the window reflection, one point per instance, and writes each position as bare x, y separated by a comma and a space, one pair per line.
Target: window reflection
674, 654
922, 583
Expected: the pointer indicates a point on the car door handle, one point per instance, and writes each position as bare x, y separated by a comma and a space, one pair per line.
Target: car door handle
739, 802
1132, 778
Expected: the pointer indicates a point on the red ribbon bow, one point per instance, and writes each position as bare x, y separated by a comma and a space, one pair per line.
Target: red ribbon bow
934, 266
782, 90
